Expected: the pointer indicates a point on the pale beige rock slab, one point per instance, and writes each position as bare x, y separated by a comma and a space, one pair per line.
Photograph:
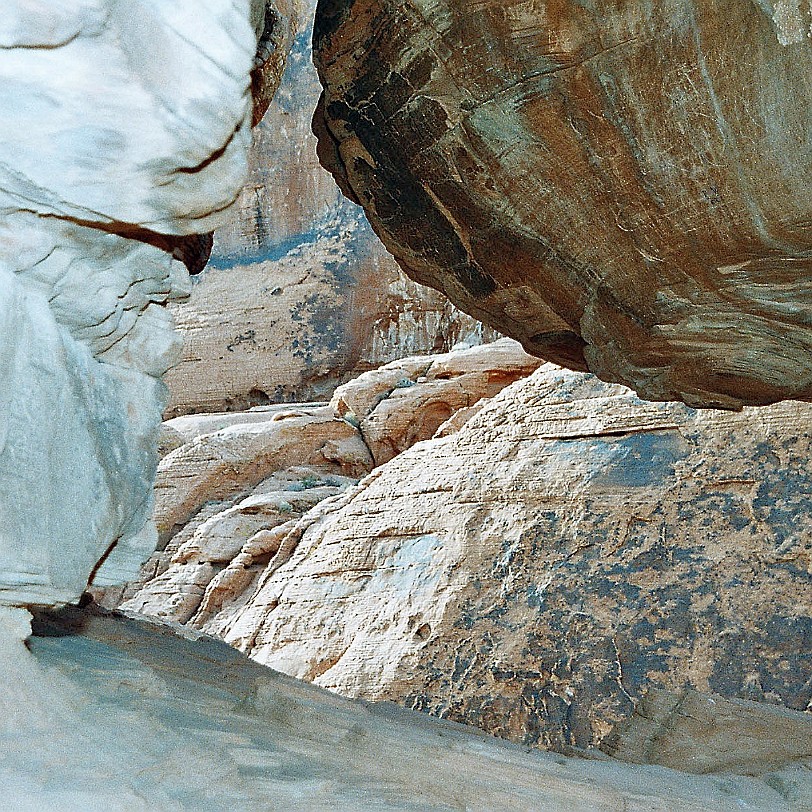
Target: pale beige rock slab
408, 400
222, 464
568, 548
217, 538
141, 718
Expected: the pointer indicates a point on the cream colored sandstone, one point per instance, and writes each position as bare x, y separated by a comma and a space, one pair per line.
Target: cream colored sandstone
233, 485
570, 547
125, 124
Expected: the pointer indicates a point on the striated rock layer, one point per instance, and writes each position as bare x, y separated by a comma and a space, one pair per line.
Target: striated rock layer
233, 487
299, 295
623, 187
126, 137
117, 714
535, 573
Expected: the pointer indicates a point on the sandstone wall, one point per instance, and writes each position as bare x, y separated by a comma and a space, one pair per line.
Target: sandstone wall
534, 573
124, 136
623, 187
299, 295
233, 486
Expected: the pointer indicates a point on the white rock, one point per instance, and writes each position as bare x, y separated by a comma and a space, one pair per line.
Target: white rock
141, 718
128, 119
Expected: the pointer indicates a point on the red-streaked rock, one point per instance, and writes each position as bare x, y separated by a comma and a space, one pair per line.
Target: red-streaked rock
624, 187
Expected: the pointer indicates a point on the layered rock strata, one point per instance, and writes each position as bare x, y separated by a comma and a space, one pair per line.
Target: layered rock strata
299, 295
703, 734
117, 714
623, 187
232, 490
128, 137
569, 548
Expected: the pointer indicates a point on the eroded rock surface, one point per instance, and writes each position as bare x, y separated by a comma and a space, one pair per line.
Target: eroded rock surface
130, 716
300, 295
534, 573
623, 187
230, 494
697, 733
126, 133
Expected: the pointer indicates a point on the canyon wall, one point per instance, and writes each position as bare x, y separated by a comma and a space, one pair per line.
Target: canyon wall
231, 486
623, 187
128, 139
299, 294
534, 570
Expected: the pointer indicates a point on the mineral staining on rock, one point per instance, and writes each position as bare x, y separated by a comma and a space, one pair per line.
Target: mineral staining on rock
300, 295
622, 187
232, 490
537, 571
130, 127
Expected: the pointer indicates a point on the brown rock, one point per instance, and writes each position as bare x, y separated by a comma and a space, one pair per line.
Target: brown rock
275, 24
622, 187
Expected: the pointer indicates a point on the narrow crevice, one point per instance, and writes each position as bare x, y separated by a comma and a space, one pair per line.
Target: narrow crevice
216, 155
193, 250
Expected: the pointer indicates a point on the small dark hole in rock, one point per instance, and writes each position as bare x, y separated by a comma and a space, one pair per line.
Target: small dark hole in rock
422, 632
256, 397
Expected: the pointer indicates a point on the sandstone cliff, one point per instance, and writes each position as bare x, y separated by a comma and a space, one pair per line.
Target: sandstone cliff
537, 571
299, 295
124, 138
232, 487
623, 187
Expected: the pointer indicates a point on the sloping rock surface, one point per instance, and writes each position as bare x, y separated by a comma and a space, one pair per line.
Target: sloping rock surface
124, 715
126, 132
624, 187
232, 489
707, 734
299, 294
570, 547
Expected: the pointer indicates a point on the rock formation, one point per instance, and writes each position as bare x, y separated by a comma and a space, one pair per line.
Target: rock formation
129, 134
537, 571
234, 485
300, 295
703, 734
556, 561
137, 718
623, 187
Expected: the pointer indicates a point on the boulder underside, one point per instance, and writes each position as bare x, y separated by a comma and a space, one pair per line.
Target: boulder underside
623, 187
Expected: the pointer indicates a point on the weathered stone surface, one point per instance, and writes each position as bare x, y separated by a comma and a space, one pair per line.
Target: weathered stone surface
236, 484
698, 733
127, 716
227, 462
239, 538
625, 187
127, 129
570, 547
408, 400
300, 295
